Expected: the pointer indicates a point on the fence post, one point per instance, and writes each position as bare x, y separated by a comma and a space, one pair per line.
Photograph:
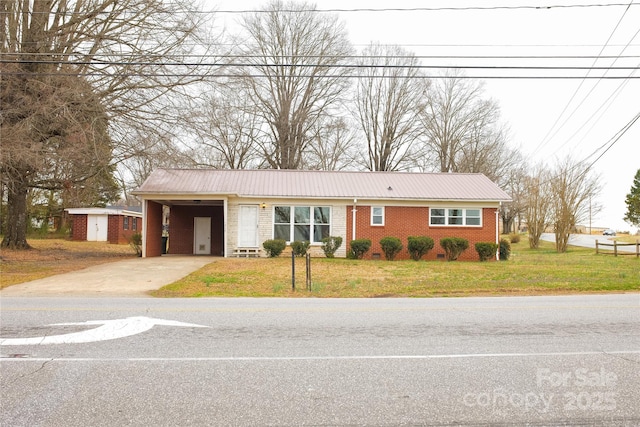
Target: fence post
637, 248
309, 272
596, 246
615, 248
293, 271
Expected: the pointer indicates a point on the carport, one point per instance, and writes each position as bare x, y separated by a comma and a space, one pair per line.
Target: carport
192, 226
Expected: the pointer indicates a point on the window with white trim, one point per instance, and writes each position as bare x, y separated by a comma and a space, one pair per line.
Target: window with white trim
377, 215
457, 217
301, 223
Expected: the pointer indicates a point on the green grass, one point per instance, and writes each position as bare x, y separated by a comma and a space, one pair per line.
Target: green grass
528, 272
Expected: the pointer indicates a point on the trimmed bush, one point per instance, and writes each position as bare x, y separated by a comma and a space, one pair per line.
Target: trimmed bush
486, 250
300, 248
418, 246
274, 247
330, 245
514, 237
391, 246
453, 247
359, 247
505, 249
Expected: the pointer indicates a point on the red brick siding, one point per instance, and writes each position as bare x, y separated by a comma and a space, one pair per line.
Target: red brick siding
79, 227
116, 232
153, 244
113, 229
181, 219
403, 222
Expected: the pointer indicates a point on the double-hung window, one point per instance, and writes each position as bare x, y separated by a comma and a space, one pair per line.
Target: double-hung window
125, 222
301, 223
377, 215
458, 217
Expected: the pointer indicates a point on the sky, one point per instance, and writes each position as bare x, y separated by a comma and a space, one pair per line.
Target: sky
549, 119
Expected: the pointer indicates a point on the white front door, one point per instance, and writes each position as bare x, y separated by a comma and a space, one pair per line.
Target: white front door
248, 226
97, 228
202, 235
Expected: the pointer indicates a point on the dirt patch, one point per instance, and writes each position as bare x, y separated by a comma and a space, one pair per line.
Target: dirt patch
56, 256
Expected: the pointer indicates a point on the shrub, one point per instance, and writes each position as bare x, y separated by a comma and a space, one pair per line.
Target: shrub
453, 247
514, 237
274, 247
419, 246
486, 250
300, 248
359, 247
136, 243
330, 245
505, 249
391, 246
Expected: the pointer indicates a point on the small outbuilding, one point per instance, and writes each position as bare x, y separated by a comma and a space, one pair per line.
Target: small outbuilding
111, 224
232, 212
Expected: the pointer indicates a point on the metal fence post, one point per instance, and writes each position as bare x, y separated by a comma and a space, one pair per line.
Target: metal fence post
308, 271
293, 271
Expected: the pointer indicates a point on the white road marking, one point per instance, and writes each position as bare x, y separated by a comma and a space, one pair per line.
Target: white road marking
109, 330
5, 358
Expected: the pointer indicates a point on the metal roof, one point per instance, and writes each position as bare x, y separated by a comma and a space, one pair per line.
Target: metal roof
322, 184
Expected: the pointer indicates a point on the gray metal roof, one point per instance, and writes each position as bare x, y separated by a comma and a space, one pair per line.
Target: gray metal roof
322, 184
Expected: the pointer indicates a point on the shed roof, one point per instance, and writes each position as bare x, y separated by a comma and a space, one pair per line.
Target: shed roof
322, 184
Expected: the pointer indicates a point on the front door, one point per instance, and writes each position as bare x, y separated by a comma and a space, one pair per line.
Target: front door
97, 228
248, 226
202, 235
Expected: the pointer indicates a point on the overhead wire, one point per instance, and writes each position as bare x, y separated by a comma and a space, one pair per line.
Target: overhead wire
550, 133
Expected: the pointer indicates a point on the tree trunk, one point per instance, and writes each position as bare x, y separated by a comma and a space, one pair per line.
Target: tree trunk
16, 237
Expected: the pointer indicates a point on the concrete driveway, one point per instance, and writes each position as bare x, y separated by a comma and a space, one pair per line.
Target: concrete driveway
131, 277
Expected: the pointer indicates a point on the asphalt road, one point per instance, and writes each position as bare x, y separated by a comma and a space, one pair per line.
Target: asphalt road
571, 360
589, 241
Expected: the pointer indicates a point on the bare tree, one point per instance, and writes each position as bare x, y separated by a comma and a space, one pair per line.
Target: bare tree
514, 183
538, 204
334, 146
227, 130
457, 118
388, 99
572, 186
54, 136
120, 59
293, 75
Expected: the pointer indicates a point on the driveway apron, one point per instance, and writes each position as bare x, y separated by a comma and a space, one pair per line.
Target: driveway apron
131, 277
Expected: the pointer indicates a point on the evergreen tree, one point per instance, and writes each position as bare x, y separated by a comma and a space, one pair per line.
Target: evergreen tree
633, 202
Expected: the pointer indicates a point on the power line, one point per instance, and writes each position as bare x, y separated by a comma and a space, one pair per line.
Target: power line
368, 10
249, 56
317, 65
549, 134
308, 76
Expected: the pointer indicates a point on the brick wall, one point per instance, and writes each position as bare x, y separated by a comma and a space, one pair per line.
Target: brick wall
153, 243
181, 221
405, 221
116, 233
79, 227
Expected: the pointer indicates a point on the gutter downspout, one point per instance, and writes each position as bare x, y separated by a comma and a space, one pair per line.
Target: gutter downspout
353, 220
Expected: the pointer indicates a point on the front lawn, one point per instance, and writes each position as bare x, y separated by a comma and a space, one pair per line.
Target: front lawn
528, 272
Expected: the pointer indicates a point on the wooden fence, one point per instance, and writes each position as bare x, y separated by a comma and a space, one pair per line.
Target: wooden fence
615, 246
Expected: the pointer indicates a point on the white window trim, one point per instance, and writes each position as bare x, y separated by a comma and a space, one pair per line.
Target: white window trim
464, 217
292, 223
372, 209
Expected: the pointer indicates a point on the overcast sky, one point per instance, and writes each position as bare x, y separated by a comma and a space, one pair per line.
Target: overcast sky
548, 118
